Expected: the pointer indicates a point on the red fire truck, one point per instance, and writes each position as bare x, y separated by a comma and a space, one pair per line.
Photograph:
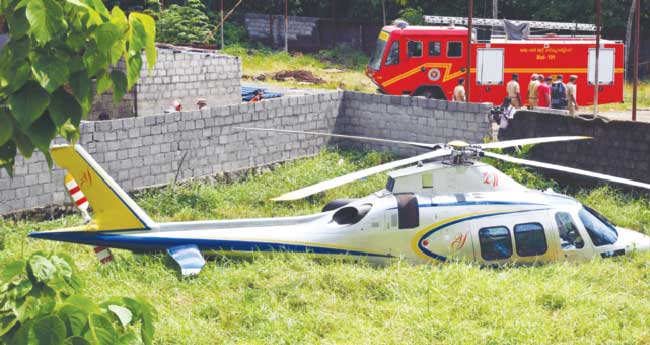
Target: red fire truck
428, 60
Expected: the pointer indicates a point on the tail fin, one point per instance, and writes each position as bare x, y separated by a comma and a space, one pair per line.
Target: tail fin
112, 207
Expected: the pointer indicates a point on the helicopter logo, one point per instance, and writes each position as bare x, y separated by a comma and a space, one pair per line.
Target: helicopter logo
458, 242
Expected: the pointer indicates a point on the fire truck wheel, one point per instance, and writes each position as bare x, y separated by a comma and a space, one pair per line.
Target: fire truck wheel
430, 91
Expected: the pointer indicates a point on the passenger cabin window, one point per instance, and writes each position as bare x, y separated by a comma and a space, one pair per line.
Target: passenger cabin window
599, 229
393, 54
530, 239
414, 48
454, 49
495, 243
569, 236
434, 48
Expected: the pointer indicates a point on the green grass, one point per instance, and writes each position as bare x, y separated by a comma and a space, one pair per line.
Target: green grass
350, 62
290, 299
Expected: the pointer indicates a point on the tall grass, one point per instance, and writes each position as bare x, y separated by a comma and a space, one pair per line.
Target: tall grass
295, 299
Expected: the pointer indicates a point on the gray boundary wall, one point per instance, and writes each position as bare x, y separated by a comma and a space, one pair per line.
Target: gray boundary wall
619, 148
179, 74
145, 151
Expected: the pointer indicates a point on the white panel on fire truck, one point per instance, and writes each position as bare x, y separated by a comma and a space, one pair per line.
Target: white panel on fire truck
605, 66
489, 66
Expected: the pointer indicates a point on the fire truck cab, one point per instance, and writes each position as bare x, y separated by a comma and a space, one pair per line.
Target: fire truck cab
428, 60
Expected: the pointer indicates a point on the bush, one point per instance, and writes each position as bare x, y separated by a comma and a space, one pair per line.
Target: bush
412, 15
184, 24
39, 304
346, 55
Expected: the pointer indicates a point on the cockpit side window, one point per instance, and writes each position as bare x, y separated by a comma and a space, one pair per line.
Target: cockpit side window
599, 229
569, 235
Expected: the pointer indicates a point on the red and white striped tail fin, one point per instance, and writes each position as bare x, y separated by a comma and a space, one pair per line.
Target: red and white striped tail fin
104, 254
77, 196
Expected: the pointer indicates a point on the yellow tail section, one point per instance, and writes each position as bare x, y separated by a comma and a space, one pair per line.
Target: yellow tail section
112, 207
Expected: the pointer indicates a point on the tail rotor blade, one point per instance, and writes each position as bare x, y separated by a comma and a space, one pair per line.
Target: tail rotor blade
353, 137
345, 179
520, 142
605, 177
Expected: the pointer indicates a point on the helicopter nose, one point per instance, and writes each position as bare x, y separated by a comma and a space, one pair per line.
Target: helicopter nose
633, 239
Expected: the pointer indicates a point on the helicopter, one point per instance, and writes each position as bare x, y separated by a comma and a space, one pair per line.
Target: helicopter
445, 205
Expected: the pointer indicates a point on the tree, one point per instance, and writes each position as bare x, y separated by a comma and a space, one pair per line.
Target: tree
185, 24
56, 48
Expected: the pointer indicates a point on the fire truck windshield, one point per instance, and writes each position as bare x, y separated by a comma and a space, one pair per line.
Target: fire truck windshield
375, 58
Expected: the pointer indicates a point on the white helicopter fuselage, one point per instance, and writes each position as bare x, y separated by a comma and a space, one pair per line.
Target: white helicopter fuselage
423, 216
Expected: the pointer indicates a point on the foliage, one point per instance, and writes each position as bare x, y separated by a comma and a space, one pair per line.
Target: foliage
304, 300
346, 56
40, 304
411, 15
56, 48
185, 24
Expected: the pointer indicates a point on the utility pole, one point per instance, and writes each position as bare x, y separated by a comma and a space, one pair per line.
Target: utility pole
635, 68
470, 9
286, 26
222, 24
596, 84
495, 9
383, 11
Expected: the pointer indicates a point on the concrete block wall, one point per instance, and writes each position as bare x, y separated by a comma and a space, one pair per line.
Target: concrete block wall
261, 26
146, 151
619, 148
411, 119
179, 74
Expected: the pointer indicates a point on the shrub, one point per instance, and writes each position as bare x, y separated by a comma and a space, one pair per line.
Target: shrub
40, 304
184, 24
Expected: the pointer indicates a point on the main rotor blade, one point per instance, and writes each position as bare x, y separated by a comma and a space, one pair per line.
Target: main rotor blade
520, 142
344, 179
412, 143
605, 177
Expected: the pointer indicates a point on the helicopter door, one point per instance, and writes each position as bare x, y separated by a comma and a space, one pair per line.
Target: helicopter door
571, 244
408, 212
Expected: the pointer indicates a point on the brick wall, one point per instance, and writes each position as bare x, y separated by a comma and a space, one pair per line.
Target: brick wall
620, 148
411, 119
178, 74
145, 151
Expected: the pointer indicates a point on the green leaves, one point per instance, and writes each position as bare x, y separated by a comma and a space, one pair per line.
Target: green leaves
56, 48
50, 71
39, 304
28, 104
48, 330
45, 18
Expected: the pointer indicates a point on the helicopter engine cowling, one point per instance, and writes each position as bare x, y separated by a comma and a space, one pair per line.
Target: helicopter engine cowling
338, 203
351, 214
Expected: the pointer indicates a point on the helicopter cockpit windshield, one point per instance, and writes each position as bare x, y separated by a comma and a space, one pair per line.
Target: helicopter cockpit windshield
601, 231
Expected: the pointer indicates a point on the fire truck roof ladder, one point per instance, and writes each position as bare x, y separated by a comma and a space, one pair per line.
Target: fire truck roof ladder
499, 22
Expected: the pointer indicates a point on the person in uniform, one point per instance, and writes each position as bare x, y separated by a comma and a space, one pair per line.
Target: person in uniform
459, 90
572, 94
514, 91
532, 91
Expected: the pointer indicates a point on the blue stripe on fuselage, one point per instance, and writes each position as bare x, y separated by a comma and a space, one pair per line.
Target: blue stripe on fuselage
150, 243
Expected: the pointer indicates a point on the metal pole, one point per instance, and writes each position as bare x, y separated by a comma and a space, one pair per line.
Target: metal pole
596, 84
383, 12
222, 23
469, 49
637, 30
286, 26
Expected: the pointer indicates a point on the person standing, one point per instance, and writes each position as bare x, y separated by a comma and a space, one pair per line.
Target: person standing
558, 94
506, 116
544, 91
514, 92
532, 91
572, 94
459, 91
